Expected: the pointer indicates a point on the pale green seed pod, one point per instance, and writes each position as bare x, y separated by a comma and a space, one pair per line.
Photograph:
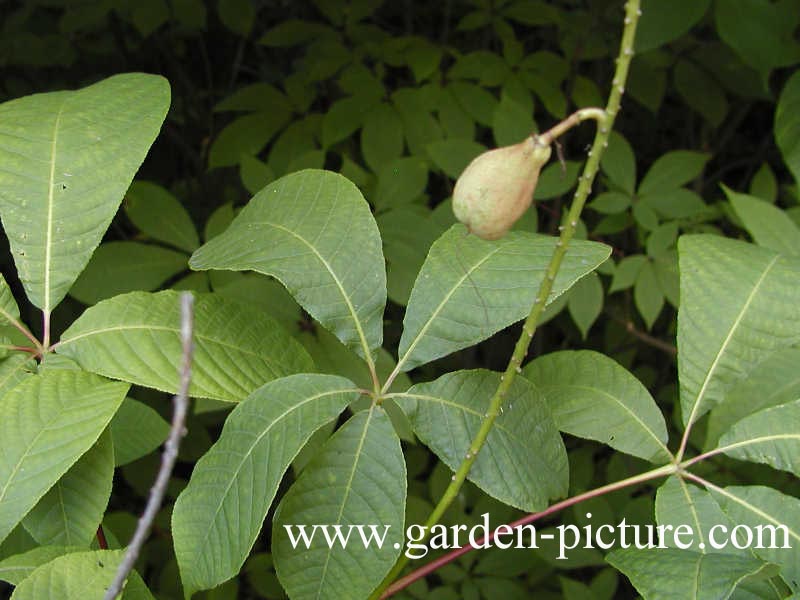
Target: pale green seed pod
496, 188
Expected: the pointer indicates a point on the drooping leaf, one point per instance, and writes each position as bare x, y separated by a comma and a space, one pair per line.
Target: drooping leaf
775, 381
136, 430
585, 302
314, 232
767, 224
787, 125
619, 163
160, 215
69, 513
121, 267
680, 503
218, 516
400, 182
73, 576
453, 155
68, 158
738, 304
770, 436
647, 294
592, 396
136, 337
58, 409
245, 135
523, 462
691, 575
775, 517
469, 288
358, 477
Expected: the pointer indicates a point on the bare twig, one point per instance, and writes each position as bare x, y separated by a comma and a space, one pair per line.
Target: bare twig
643, 336
177, 431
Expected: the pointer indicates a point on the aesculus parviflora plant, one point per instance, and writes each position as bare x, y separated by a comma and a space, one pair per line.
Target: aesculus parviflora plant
315, 244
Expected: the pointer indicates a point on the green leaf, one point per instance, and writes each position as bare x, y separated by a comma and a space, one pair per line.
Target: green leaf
400, 182
344, 118
555, 180
382, 137
136, 337
671, 203
358, 477
237, 15
738, 304
647, 294
469, 288
68, 158
254, 98
69, 513
246, 135
672, 170
218, 516
523, 462
292, 32
453, 155
772, 382
16, 568
770, 436
592, 396
691, 576
663, 21
15, 369
759, 33
585, 302
701, 92
314, 232
475, 100
121, 267
254, 175
511, 123
767, 224
407, 233
9, 311
787, 125
159, 215
680, 503
73, 576
619, 164
136, 430
762, 508
627, 272
58, 409
763, 184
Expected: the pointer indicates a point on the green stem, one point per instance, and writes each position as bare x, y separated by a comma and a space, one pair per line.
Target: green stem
605, 124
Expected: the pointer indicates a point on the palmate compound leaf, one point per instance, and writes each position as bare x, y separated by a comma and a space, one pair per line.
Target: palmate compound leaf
314, 232
773, 519
218, 516
469, 289
71, 510
68, 158
738, 304
592, 396
49, 421
770, 436
523, 462
673, 574
136, 338
357, 478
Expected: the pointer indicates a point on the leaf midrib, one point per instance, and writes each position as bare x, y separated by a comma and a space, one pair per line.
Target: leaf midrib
50, 202
709, 376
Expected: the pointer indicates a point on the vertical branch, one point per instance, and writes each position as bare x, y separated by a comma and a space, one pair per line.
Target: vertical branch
168, 458
605, 123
